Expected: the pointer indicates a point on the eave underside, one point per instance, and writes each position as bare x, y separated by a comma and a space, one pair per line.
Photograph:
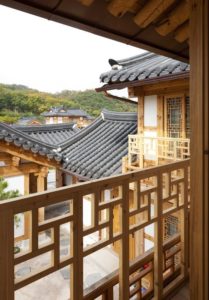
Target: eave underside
101, 18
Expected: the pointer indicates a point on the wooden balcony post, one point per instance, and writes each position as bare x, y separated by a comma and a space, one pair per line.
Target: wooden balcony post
6, 254
76, 282
199, 98
158, 243
59, 178
124, 249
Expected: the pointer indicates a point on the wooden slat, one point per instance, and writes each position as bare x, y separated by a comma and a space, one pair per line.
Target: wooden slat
177, 17
151, 11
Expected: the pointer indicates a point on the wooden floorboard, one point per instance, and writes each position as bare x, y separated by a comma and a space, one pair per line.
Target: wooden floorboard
183, 294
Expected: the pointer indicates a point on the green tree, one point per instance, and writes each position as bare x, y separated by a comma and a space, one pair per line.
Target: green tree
6, 194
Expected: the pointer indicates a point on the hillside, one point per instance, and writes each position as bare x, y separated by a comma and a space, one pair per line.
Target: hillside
17, 101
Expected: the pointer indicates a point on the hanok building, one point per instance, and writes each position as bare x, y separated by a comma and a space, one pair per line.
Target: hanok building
58, 115
177, 29
161, 86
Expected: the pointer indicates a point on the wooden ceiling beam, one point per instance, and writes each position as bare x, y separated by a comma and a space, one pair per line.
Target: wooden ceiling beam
151, 11
177, 17
86, 2
119, 7
182, 33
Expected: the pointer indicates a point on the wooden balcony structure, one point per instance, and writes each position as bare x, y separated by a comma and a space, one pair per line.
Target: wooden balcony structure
177, 29
158, 193
149, 151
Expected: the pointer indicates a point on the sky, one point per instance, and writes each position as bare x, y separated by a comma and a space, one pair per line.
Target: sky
52, 57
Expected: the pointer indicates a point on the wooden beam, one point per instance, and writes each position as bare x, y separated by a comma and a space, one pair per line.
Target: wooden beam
5, 156
27, 155
15, 161
177, 17
119, 7
86, 2
182, 33
199, 99
162, 88
151, 11
27, 168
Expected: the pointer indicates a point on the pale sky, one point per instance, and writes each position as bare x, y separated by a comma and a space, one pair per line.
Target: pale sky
52, 57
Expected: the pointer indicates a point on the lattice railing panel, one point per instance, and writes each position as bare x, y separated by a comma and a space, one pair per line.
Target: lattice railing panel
58, 232
155, 149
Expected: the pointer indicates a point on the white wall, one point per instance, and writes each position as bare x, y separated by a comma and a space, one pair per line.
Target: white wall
150, 111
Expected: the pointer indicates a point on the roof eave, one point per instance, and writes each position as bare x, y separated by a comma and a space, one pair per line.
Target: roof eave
126, 84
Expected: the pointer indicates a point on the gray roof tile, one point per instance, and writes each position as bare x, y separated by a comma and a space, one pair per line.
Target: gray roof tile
97, 150
144, 66
93, 152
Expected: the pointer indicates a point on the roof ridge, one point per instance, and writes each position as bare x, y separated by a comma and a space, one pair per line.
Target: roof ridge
118, 116
44, 127
133, 59
21, 134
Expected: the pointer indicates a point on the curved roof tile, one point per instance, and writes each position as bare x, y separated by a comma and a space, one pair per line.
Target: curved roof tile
140, 67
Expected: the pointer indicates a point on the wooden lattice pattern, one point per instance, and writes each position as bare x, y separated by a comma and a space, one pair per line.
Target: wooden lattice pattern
156, 148
158, 193
174, 117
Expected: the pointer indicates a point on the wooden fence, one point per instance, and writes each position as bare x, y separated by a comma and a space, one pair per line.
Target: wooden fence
158, 193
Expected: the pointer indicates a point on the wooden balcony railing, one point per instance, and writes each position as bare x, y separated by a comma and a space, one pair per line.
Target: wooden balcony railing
156, 149
157, 194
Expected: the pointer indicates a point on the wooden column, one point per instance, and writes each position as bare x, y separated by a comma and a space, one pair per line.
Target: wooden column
26, 184
27, 216
6, 254
199, 95
160, 115
141, 115
59, 178
183, 108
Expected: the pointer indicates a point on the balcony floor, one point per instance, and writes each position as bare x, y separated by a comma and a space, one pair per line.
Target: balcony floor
183, 294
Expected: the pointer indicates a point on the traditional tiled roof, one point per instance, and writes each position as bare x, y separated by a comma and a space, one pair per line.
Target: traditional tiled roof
93, 152
52, 134
97, 150
62, 112
144, 66
20, 139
